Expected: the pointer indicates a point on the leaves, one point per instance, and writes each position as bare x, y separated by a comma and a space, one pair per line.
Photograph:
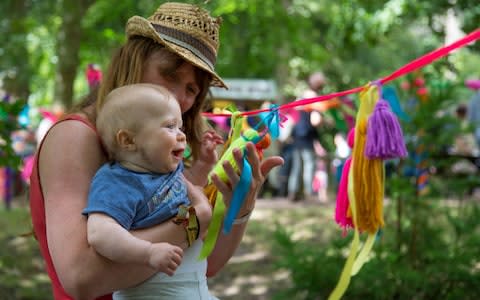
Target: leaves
351, 41
9, 112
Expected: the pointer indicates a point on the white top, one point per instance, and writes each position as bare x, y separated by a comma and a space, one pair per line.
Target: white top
190, 262
189, 281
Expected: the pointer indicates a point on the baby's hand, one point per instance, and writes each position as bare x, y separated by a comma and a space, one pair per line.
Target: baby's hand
165, 257
208, 153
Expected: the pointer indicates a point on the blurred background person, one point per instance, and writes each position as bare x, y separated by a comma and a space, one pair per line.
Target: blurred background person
94, 76
303, 137
285, 150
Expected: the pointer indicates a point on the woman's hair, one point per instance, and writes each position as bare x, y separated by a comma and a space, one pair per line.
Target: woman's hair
127, 67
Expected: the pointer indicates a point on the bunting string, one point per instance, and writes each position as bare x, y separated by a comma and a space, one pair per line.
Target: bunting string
405, 69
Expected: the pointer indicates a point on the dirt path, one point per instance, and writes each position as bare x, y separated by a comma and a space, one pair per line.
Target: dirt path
250, 273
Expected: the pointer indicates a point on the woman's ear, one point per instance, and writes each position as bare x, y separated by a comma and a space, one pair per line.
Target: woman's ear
126, 140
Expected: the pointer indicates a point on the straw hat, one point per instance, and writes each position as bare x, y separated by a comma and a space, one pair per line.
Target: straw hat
185, 29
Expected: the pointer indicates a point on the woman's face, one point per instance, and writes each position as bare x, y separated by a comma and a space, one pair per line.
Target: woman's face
181, 83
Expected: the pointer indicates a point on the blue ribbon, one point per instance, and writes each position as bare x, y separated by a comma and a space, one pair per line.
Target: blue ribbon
390, 95
272, 121
239, 193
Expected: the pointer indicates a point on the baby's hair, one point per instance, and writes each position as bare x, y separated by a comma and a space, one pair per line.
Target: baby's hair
120, 110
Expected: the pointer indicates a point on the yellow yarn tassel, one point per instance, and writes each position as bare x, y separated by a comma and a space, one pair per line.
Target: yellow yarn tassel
368, 185
367, 173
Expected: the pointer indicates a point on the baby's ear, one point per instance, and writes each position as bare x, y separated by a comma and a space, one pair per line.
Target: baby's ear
125, 140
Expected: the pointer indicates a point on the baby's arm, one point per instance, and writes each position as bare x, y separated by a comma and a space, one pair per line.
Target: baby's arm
114, 242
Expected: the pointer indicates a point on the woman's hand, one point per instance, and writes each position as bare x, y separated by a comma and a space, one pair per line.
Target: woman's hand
260, 170
228, 243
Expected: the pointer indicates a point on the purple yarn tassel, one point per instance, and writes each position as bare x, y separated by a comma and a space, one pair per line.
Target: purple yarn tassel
384, 134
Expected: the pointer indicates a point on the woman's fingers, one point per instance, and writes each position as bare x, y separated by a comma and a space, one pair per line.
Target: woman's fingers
269, 163
254, 161
231, 173
260, 169
222, 187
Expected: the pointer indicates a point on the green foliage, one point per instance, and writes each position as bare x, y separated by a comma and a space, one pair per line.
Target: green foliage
310, 266
353, 42
9, 112
440, 263
433, 128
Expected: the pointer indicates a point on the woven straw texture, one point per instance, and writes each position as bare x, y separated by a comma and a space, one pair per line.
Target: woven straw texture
185, 29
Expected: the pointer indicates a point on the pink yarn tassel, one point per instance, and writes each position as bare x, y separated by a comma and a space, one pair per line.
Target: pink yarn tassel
351, 137
342, 204
384, 134
341, 209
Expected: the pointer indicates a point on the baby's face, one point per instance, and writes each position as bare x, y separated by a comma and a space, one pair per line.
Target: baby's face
160, 141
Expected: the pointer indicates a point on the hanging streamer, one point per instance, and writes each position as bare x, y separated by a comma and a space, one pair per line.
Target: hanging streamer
238, 139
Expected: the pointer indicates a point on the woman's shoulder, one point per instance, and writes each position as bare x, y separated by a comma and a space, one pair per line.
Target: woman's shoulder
72, 126
78, 117
73, 133
76, 120
72, 145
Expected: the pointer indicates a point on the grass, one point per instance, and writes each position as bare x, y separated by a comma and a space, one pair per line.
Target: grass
22, 273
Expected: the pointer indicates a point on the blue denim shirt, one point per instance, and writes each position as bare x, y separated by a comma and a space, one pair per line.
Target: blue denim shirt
134, 199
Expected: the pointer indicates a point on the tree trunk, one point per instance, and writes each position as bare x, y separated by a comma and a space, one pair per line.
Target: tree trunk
68, 48
18, 73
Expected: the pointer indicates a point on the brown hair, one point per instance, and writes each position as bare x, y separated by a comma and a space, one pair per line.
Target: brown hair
127, 67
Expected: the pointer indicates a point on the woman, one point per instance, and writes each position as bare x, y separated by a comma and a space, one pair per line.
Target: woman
175, 48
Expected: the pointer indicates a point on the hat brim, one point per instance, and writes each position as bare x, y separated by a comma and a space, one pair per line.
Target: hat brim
137, 25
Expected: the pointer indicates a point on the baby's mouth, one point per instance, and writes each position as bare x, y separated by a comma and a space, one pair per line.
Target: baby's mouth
178, 153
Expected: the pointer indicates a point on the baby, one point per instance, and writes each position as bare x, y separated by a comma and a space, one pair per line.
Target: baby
142, 185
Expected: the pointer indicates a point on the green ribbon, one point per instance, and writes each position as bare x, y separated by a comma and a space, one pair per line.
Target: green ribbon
213, 228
